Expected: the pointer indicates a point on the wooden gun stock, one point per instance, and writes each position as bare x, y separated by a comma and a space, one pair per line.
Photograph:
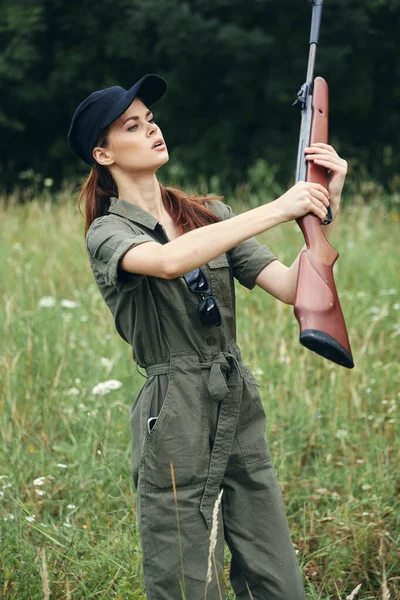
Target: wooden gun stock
317, 307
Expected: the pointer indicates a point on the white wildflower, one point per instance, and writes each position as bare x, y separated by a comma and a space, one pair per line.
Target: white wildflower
30, 518
6, 485
68, 303
73, 392
62, 466
3, 477
113, 384
322, 491
341, 434
71, 506
366, 486
396, 306
9, 517
105, 387
1, 495
48, 182
47, 302
106, 362
258, 372
77, 380
40, 492
39, 481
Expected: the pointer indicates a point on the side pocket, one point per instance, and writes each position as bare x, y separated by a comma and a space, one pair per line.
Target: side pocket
180, 435
251, 435
158, 402
137, 434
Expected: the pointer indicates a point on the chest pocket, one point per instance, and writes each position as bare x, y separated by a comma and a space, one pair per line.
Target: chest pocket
221, 279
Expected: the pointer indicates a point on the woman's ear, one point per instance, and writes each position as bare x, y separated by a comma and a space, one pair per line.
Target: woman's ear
103, 156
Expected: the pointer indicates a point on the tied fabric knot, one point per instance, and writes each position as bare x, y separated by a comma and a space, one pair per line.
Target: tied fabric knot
221, 364
216, 384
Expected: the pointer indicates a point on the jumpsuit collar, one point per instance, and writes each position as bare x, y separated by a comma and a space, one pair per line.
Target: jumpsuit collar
134, 213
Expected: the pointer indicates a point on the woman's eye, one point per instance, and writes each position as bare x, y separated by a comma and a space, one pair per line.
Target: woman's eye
133, 127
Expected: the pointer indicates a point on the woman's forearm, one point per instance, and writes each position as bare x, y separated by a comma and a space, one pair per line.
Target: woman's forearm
199, 246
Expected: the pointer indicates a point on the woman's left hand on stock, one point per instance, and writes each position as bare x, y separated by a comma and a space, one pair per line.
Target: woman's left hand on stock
326, 156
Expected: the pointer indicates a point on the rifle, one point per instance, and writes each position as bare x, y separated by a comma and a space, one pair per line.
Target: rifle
317, 307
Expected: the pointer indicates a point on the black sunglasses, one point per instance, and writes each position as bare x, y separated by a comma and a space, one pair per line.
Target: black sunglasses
208, 309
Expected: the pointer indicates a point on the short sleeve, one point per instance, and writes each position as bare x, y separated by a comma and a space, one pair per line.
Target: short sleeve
248, 258
107, 240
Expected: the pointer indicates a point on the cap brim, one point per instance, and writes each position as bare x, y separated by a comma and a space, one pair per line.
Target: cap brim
149, 89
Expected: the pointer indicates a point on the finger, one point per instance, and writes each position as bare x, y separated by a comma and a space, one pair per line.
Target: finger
320, 197
339, 164
321, 153
332, 166
326, 156
319, 210
318, 187
322, 145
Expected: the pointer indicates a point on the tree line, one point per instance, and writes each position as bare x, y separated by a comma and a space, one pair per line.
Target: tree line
233, 69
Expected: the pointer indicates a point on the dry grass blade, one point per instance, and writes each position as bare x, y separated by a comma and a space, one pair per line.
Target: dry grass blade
248, 589
68, 590
45, 577
213, 542
354, 592
381, 554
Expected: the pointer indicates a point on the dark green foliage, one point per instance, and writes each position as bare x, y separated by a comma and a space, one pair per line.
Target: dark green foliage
233, 69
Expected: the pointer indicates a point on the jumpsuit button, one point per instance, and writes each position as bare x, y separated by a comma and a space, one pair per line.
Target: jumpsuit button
211, 341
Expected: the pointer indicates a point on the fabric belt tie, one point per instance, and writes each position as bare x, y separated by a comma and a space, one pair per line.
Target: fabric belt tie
229, 394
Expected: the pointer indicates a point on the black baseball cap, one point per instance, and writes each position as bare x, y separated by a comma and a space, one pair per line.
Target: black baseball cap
103, 107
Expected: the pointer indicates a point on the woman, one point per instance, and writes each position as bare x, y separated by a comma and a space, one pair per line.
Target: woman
200, 409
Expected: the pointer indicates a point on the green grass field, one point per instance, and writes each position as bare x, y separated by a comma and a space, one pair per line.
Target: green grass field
67, 502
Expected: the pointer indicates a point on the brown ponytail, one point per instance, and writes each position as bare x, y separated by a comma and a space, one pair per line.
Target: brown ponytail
187, 212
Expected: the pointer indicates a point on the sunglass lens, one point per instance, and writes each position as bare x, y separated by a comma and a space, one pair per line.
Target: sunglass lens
209, 313
196, 281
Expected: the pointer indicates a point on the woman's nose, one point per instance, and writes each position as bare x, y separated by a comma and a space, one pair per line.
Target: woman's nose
152, 129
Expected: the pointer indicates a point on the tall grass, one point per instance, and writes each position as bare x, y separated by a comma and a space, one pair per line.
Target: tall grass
333, 433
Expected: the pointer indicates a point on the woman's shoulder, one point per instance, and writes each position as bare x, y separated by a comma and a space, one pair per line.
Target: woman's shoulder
110, 222
220, 209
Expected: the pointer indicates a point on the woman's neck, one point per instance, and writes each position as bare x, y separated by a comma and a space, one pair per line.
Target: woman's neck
143, 192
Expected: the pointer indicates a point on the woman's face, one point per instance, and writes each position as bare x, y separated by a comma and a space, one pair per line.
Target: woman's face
131, 140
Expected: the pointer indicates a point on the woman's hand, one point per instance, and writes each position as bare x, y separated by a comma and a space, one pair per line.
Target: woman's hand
325, 156
302, 198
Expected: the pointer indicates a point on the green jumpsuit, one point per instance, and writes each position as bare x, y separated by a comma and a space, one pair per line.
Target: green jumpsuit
211, 423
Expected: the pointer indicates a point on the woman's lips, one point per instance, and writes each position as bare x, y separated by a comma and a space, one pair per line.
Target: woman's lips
161, 147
